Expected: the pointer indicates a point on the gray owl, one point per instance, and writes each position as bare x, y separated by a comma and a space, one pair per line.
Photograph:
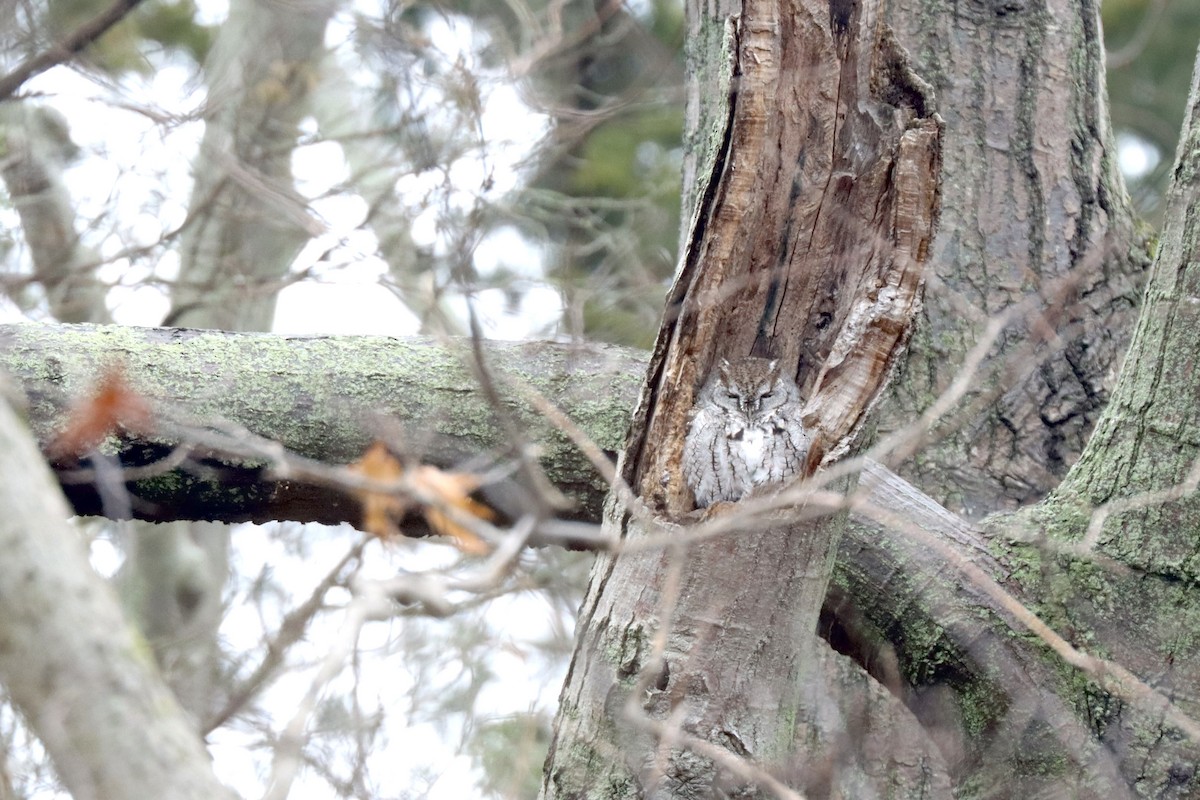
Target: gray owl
744, 432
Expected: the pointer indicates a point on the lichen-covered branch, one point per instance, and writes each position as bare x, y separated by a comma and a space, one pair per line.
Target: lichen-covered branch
325, 398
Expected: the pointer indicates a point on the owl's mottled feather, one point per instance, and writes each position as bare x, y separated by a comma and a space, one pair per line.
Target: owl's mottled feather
745, 431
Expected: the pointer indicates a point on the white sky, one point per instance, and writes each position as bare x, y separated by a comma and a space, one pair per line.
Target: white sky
1135, 156
128, 157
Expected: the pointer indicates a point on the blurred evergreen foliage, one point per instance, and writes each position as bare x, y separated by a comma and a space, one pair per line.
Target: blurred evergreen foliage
612, 169
510, 751
169, 24
1151, 48
602, 197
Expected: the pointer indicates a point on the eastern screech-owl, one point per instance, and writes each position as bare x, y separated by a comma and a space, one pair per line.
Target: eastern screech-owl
745, 431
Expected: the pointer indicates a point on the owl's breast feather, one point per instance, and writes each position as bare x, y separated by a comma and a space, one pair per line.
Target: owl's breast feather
753, 444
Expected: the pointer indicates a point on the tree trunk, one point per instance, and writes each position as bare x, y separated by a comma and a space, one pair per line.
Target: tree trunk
698, 672
1107, 561
1025, 717
37, 149
1129, 507
246, 220
1035, 215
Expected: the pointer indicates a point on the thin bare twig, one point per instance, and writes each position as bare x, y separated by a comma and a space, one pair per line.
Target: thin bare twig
375, 600
743, 768
547, 498
368, 603
291, 630
67, 48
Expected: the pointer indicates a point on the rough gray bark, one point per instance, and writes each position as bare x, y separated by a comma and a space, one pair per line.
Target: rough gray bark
83, 679
1034, 209
1146, 441
1011, 716
1107, 561
1130, 503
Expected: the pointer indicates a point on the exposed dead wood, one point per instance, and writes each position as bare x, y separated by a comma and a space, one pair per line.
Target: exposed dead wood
816, 228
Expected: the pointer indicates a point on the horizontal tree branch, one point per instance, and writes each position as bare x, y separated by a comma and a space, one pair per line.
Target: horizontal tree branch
325, 398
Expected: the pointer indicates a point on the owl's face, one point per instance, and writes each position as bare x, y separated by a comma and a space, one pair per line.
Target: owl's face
752, 389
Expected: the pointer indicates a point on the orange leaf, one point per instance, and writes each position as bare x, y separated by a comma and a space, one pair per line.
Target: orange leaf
454, 489
113, 406
382, 510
